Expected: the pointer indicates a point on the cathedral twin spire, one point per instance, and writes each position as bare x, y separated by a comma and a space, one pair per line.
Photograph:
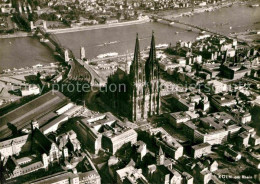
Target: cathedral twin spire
150, 66
136, 60
150, 63
152, 54
144, 80
142, 98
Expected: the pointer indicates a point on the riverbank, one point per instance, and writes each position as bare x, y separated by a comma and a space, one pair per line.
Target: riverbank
16, 35
100, 26
196, 10
77, 29
190, 11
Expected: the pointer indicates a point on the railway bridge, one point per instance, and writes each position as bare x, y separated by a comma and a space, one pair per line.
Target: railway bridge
198, 27
77, 70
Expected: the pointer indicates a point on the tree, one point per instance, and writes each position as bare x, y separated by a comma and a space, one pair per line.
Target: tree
136, 14
92, 17
33, 17
49, 16
118, 15
2, 170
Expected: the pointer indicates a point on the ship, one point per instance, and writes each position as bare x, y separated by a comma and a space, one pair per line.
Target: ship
161, 46
110, 54
254, 5
108, 43
44, 40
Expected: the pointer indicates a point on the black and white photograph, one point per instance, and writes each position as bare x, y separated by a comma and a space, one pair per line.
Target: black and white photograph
129, 92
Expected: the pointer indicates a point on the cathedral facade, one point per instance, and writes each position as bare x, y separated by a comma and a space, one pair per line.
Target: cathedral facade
141, 97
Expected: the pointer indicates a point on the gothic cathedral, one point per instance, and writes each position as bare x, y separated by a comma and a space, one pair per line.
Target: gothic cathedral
142, 96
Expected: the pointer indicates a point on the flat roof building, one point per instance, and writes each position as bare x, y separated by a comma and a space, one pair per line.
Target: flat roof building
201, 149
108, 132
214, 128
131, 175
220, 101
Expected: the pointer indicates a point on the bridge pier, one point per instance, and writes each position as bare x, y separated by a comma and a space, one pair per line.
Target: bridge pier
44, 23
31, 25
82, 53
66, 55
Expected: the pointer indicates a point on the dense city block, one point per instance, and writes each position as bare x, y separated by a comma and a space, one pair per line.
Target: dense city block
177, 111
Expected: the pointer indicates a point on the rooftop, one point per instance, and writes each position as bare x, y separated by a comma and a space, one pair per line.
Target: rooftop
179, 115
165, 137
107, 124
22, 116
200, 146
222, 99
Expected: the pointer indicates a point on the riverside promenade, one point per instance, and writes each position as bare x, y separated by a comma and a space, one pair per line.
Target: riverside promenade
16, 35
100, 26
77, 29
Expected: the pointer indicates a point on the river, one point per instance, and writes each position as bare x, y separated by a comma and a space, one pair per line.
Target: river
94, 40
21, 52
237, 18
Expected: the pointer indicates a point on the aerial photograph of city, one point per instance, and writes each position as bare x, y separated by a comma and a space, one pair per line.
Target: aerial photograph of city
129, 91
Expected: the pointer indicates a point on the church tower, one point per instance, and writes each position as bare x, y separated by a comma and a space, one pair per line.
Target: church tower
153, 80
137, 82
160, 157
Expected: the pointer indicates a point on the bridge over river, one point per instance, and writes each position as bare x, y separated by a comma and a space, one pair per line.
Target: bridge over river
77, 70
201, 28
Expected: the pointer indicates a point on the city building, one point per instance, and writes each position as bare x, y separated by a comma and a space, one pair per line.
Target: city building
15, 146
187, 178
212, 69
177, 118
254, 140
169, 144
49, 149
164, 174
30, 90
186, 101
230, 153
20, 167
205, 176
129, 174
88, 174
215, 128
201, 150
220, 101
231, 71
107, 132
255, 162
217, 86
53, 125
22, 116
243, 139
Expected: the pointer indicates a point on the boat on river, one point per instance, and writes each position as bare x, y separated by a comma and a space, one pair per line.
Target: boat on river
110, 54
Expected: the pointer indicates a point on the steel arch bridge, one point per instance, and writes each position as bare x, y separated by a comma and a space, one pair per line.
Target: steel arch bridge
77, 70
